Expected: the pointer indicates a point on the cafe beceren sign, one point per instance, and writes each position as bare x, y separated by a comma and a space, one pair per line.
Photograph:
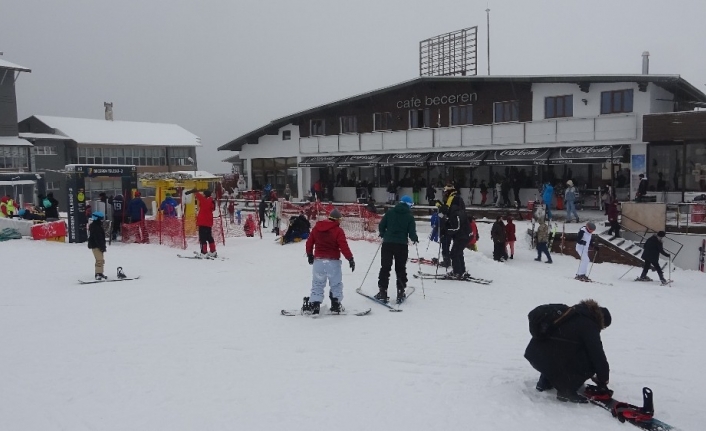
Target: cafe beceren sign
427, 101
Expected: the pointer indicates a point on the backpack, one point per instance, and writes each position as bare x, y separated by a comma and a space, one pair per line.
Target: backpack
46, 202
545, 318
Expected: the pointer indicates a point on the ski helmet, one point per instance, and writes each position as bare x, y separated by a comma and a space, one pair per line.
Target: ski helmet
591, 226
97, 215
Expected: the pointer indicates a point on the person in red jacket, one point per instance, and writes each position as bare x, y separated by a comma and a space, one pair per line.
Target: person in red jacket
249, 226
510, 234
324, 246
474, 234
204, 220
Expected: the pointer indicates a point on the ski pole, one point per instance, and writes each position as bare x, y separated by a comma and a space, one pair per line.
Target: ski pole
592, 261
371, 265
626, 273
419, 264
670, 271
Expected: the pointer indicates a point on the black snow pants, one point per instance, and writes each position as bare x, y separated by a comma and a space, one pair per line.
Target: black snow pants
399, 253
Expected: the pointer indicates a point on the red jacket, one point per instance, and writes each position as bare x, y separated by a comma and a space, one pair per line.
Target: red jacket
474, 233
329, 240
206, 208
612, 212
249, 226
510, 231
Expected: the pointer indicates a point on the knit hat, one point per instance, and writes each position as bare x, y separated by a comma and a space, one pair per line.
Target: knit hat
138, 194
661, 234
607, 319
591, 226
449, 187
570, 183
334, 215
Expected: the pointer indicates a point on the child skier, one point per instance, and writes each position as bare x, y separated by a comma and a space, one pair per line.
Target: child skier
249, 226
472, 243
323, 250
510, 237
582, 246
231, 211
204, 220
612, 210
542, 239
96, 242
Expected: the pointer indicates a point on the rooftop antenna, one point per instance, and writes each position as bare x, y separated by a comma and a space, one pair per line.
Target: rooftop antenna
487, 13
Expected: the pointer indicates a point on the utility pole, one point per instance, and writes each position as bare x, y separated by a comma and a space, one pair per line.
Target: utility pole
487, 13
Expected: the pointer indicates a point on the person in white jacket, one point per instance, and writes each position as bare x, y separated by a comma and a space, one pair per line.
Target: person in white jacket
583, 241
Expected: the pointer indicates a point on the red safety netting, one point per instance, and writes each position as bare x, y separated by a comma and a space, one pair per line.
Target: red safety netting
170, 231
357, 222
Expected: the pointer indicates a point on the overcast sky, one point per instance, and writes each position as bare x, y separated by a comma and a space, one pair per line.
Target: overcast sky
223, 68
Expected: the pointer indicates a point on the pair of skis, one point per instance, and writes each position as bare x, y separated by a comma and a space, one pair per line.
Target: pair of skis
427, 276
201, 256
408, 292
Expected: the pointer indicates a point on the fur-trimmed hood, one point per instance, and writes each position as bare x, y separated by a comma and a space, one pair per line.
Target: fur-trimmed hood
591, 309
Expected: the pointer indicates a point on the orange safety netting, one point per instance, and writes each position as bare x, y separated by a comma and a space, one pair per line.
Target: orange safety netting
357, 222
175, 232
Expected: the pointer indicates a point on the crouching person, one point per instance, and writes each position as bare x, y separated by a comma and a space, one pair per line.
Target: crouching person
323, 249
570, 351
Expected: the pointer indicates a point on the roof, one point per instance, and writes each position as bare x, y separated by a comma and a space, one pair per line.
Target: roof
4, 64
233, 159
13, 141
103, 132
34, 136
673, 83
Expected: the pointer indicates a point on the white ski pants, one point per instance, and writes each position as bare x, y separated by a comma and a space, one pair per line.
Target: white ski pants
582, 250
326, 269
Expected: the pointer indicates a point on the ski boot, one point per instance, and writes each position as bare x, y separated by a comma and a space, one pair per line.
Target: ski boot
121, 274
382, 296
100, 276
543, 384
645, 278
212, 255
665, 281
336, 306
306, 307
401, 295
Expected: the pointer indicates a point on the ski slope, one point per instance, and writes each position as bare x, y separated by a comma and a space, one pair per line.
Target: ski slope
200, 345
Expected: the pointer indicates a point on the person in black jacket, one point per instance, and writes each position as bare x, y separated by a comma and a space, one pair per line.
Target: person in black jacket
96, 242
651, 251
498, 234
261, 209
457, 229
573, 352
641, 189
52, 211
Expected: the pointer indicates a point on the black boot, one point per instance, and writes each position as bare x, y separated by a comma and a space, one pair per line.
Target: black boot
336, 306
121, 274
315, 306
543, 384
401, 294
306, 306
382, 296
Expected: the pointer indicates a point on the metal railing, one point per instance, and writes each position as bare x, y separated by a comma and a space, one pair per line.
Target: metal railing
643, 235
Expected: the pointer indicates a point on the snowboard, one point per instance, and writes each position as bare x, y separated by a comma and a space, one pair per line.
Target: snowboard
326, 312
641, 417
108, 280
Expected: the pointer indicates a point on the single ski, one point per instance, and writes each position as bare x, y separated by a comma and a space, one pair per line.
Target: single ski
108, 280
641, 417
372, 298
407, 293
424, 261
326, 313
702, 255
426, 276
198, 256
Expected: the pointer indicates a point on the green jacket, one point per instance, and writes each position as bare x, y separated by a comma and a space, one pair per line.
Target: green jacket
397, 224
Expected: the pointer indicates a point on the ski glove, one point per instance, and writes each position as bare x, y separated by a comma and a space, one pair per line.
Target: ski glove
188, 192
351, 262
310, 258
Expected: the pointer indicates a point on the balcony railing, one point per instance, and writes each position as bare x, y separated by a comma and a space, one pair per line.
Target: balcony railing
534, 133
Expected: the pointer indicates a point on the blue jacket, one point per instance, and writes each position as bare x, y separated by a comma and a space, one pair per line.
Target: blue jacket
548, 194
136, 210
168, 207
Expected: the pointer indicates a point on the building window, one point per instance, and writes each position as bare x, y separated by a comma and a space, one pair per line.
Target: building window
44, 151
460, 115
382, 121
419, 118
559, 106
14, 158
316, 127
613, 102
179, 157
286, 135
349, 124
52, 186
507, 111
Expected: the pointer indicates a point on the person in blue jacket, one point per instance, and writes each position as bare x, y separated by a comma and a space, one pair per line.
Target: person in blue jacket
168, 206
434, 235
136, 210
547, 196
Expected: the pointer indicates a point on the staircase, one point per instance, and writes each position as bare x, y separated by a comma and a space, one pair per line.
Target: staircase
628, 247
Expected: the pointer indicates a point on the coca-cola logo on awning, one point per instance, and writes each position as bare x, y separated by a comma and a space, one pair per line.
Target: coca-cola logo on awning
406, 156
321, 159
367, 157
467, 154
588, 150
529, 152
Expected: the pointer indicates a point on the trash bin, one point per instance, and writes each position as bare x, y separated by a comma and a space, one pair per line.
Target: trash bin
698, 213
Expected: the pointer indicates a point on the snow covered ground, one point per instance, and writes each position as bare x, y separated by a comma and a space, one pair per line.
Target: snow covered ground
200, 345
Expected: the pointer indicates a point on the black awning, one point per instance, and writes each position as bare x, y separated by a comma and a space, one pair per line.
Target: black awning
587, 155
519, 157
457, 158
359, 161
318, 161
404, 160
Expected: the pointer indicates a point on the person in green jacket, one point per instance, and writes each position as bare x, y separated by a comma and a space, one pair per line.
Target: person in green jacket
395, 227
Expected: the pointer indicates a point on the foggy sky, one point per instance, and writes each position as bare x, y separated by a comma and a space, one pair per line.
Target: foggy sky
223, 68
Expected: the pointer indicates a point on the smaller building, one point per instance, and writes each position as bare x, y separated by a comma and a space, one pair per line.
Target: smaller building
61, 141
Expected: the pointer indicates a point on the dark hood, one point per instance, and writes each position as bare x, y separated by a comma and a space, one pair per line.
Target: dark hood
593, 311
401, 208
